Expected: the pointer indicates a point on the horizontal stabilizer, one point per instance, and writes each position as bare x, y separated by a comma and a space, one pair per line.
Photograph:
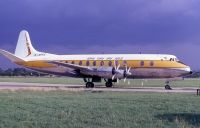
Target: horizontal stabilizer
10, 56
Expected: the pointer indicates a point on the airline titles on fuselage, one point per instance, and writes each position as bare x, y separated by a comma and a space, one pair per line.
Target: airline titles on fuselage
105, 58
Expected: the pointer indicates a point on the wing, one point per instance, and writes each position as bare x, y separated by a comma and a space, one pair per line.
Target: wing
72, 66
103, 72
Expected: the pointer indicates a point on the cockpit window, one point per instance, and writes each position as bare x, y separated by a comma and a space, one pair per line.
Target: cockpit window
176, 59
173, 59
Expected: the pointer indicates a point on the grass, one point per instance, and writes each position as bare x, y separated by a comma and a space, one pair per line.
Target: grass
60, 109
133, 82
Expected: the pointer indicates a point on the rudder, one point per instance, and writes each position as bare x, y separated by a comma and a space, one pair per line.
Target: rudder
24, 47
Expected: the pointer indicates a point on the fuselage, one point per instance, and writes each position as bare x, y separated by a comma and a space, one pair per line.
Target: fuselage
142, 65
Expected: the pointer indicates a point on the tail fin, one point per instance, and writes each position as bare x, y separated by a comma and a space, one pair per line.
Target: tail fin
24, 47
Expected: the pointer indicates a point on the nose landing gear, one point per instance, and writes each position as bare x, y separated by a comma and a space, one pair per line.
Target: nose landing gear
167, 86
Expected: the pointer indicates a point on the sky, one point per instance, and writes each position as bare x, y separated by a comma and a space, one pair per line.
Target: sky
104, 26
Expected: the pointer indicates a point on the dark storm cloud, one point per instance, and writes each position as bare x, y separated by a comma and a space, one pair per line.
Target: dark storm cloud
117, 24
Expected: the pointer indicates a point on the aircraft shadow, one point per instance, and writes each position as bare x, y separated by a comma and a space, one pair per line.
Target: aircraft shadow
189, 118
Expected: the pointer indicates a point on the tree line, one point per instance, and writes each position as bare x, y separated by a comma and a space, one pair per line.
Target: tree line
20, 72
195, 74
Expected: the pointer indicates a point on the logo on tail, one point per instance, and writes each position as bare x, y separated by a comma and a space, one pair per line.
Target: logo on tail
28, 46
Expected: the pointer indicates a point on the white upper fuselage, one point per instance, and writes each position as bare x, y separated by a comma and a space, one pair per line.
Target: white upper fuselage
47, 56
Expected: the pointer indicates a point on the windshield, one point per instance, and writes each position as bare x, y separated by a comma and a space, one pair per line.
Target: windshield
174, 59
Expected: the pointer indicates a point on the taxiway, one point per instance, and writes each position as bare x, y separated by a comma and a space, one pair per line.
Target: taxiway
13, 86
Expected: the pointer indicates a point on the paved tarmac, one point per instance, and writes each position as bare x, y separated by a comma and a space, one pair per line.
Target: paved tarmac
13, 86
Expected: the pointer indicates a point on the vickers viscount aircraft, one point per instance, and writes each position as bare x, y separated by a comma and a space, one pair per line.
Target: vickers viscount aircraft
95, 67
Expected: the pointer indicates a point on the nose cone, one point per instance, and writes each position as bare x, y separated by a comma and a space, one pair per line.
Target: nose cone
188, 70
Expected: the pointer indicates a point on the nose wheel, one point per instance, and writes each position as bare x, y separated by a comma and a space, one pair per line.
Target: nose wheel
167, 86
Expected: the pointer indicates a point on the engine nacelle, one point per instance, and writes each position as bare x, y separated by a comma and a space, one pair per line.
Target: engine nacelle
105, 72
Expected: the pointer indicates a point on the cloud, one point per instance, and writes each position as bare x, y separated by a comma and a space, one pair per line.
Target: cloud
103, 24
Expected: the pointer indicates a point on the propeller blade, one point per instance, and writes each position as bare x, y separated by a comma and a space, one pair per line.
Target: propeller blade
118, 81
113, 77
126, 68
124, 79
115, 65
118, 66
129, 69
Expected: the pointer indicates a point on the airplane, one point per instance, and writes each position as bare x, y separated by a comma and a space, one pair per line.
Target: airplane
95, 67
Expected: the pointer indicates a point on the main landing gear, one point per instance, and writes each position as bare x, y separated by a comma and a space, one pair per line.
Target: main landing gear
89, 85
109, 83
89, 82
167, 86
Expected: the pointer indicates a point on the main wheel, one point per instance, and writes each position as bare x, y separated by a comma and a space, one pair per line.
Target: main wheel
109, 84
89, 85
167, 87
92, 85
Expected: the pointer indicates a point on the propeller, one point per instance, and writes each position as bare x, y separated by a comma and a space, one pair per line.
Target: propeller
127, 73
115, 69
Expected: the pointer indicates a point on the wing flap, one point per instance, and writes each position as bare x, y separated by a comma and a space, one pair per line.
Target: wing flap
68, 65
104, 72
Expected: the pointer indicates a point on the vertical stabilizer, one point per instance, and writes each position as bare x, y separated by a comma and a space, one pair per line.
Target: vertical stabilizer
24, 47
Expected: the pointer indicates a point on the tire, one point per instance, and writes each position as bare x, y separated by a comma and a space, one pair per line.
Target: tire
167, 87
109, 84
89, 85
92, 85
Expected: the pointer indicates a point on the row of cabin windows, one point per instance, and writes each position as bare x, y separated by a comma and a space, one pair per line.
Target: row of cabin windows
94, 63
151, 63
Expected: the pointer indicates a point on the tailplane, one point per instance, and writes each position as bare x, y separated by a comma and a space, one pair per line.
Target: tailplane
24, 47
10, 56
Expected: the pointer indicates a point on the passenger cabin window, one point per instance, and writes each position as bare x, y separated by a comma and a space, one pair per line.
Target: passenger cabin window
142, 63
94, 63
80, 62
101, 63
87, 63
116, 62
124, 63
110, 63
151, 63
